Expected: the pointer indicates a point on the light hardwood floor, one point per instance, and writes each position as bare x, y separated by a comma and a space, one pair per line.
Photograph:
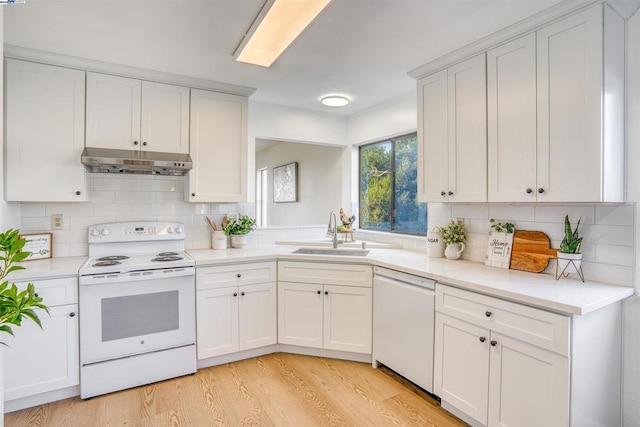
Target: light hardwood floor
274, 390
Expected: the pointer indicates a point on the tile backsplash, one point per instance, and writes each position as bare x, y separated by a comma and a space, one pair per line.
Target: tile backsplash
608, 230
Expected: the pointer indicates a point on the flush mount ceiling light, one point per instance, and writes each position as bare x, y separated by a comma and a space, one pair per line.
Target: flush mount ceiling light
275, 28
335, 101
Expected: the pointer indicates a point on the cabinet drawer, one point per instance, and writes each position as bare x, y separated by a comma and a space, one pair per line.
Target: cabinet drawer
325, 273
55, 291
233, 275
528, 324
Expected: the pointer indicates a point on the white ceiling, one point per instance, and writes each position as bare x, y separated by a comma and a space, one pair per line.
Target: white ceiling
359, 48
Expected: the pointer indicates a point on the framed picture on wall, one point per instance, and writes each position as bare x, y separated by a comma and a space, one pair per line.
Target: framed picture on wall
285, 183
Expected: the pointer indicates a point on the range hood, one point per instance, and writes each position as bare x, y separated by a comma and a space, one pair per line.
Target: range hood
106, 160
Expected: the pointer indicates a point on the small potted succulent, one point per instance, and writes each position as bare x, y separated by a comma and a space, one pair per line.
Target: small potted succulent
569, 256
453, 235
238, 228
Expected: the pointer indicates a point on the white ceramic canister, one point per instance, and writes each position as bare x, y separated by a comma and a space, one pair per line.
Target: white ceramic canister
435, 245
218, 240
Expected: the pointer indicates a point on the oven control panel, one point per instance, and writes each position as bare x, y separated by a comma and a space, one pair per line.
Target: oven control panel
136, 232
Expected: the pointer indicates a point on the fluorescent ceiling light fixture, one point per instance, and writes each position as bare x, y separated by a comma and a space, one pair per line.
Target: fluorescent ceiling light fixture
335, 101
277, 25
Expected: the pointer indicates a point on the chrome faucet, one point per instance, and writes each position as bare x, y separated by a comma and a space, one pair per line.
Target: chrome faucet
333, 231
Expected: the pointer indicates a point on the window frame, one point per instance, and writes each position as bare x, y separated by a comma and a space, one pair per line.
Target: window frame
393, 222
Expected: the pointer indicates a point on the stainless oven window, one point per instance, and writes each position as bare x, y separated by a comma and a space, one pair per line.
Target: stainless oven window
137, 315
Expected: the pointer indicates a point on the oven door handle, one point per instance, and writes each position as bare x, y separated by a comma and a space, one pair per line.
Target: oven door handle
136, 276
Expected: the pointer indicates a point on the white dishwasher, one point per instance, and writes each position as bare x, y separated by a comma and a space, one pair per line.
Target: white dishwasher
403, 324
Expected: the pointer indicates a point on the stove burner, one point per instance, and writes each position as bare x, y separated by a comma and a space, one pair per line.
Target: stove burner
113, 258
167, 258
106, 263
163, 254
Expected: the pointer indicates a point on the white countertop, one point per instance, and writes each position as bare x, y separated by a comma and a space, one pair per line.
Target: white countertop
47, 269
567, 296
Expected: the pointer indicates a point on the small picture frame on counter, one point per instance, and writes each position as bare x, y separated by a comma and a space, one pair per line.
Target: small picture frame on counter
39, 244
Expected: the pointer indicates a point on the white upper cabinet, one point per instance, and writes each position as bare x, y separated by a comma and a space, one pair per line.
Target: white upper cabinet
45, 133
218, 147
452, 121
580, 65
512, 126
131, 114
553, 135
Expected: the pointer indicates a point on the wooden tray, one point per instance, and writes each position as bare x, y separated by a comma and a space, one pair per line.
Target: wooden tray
531, 251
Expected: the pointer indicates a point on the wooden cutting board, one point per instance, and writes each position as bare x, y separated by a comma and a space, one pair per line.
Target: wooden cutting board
531, 251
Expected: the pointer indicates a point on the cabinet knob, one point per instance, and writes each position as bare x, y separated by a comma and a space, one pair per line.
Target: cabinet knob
144, 143
494, 343
193, 194
242, 293
326, 292
488, 313
135, 142
529, 191
482, 339
72, 314
78, 193
442, 193
235, 294
540, 190
450, 193
318, 292
238, 275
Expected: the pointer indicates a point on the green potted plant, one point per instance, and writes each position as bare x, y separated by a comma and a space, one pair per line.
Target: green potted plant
453, 235
15, 305
238, 228
569, 256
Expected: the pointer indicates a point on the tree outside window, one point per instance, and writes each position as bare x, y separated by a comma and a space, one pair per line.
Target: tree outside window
388, 187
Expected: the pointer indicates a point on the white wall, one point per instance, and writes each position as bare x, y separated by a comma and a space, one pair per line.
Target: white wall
319, 182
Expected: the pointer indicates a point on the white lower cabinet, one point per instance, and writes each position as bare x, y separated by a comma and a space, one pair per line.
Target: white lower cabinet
44, 360
236, 308
499, 363
321, 312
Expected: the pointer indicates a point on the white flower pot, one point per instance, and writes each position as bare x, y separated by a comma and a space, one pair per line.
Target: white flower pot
238, 240
454, 250
569, 263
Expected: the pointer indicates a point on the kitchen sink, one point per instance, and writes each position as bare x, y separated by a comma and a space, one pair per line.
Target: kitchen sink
331, 251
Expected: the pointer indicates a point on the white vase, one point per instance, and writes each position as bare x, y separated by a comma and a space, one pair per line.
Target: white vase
435, 245
238, 240
454, 250
569, 263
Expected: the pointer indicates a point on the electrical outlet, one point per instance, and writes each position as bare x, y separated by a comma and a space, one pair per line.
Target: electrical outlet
57, 222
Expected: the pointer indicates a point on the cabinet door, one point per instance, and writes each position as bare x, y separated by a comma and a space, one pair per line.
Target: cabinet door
433, 153
570, 108
300, 314
347, 318
461, 366
42, 360
217, 322
258, 323
467, 119
218, 146
165, 118
45, 133
113, 112
528, 386
511, 114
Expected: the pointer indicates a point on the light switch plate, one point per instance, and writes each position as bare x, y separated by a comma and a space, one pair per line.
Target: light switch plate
57, 222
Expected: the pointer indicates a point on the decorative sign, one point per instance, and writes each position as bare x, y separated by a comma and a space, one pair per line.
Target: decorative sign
499, 249
39, 245
285, 183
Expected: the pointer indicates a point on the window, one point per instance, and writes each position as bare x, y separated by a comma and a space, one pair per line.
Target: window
261, 197
388, 187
